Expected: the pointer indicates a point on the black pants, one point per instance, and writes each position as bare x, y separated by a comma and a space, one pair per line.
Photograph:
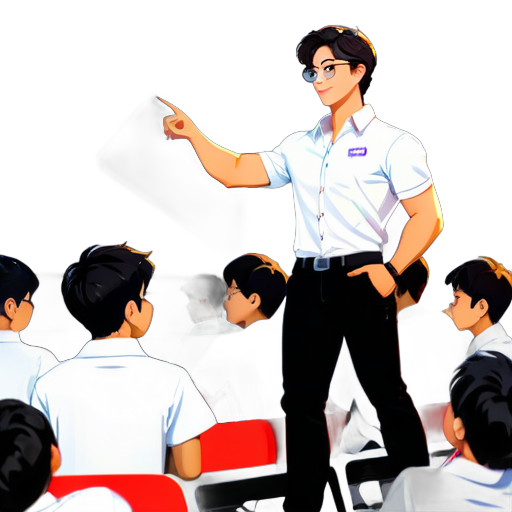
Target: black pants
322, 308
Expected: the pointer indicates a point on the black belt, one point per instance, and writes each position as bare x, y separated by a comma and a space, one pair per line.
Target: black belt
351, 260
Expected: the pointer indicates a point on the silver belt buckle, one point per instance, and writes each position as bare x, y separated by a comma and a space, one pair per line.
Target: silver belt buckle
320, 264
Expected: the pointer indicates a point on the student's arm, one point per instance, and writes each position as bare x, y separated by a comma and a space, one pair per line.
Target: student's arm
425, 223
184, 460
231, 169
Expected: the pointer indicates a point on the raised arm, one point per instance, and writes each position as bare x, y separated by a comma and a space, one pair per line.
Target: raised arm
231, 169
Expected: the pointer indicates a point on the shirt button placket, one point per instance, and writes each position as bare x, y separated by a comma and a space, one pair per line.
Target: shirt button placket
321, 199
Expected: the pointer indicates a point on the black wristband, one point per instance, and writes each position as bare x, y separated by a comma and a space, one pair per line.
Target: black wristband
394, 273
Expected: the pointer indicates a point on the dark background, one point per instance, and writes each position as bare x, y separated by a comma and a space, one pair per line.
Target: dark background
79, 87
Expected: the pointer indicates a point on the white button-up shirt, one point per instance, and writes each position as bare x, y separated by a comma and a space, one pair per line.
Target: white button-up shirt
97, 499
345, 191
458, 487
21, 365
115, 410
493, 338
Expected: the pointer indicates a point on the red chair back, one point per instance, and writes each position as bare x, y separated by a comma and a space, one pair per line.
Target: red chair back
432, 417
144, 493
240, 444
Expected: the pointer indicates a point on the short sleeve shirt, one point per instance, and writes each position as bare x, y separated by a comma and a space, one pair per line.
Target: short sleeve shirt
493, 338
344, 192
88, 500
461, 486
21, 365
115, 410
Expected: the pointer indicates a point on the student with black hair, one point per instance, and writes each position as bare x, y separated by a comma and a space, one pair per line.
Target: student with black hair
478, 422
240, 375
256, 288
348, 174
482, 289
114, 408
20, 364
29, 457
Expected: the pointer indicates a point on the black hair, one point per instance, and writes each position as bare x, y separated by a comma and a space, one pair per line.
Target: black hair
345, 45
258, 274
414, 279
481, 396
216, 289
25, 455
16, 280
98, 287
479, 280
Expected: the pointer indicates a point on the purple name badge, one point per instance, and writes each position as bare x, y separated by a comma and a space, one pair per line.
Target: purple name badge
357, 152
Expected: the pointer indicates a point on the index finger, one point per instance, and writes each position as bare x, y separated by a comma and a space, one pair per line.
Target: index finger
357, 272
177, 111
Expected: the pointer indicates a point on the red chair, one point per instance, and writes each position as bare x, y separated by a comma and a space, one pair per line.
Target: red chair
243, 444
432, 417
144, 493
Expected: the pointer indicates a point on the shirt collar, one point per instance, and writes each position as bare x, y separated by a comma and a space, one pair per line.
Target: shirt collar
358, 122
112, 347
9, 336
42, 503
471, 470
493, 333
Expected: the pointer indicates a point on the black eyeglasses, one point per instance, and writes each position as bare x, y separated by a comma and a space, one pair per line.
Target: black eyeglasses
235, 291
310, 74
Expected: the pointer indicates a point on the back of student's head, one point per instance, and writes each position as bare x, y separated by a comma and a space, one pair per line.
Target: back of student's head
207, 287
256, 273
484, 278
481, 396
16, 280
25, 455
414, 280
97, 288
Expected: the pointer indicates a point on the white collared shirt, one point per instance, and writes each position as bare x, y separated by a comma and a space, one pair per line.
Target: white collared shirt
461, 486
345, 192
493, 338
114, 409
98, 499
21, 365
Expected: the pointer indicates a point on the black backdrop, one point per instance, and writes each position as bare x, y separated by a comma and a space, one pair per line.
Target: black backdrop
74, 80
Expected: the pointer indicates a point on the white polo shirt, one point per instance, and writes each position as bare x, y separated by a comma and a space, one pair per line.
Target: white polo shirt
114, 409
21, 365
345, 192
493, 338
98, 499
461, 486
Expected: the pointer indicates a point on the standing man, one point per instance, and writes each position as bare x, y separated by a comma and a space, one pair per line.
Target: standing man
348, 174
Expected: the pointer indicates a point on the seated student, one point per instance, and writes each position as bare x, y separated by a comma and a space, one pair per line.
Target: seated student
483, 291
113, 408
256, 289
20, 364
478, 423
240, 375
29, 457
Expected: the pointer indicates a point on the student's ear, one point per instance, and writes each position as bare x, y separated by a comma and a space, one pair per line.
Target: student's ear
55, 460
481, 308
458, 429
10, 308
130, 309
255, 300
